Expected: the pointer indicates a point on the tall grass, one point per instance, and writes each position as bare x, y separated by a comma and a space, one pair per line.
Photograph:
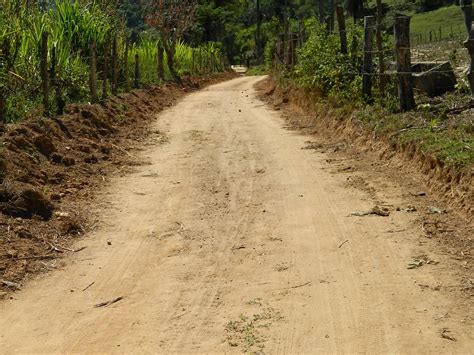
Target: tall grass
188, 60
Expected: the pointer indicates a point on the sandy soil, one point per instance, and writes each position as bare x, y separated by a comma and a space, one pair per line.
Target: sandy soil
233, 238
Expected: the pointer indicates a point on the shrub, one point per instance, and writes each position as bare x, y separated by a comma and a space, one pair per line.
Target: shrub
323, 67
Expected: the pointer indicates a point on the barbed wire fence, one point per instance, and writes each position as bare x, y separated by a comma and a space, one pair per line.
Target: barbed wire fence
400, 64
110, 69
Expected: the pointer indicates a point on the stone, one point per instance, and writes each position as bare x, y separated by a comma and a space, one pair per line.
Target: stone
434, 78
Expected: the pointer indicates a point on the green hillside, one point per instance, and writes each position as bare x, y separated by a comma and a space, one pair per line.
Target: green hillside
445, 17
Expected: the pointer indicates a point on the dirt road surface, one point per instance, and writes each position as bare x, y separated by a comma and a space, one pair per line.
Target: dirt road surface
232, 238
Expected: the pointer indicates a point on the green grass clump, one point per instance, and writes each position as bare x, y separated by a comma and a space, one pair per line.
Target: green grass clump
453, 147
258, 70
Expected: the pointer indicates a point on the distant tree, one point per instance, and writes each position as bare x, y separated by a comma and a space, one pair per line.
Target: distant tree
171, 18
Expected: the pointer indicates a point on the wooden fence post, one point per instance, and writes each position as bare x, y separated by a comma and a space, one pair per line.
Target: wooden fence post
3, 117
193, 59
136, 81
3, 100
403, 55
115, 66
341, 21
466, 6
92, 73
380, 49
44, 72
331, 16
161, 65
55, 83
369, 29
321, 11
126, 67
200, 60
105, 69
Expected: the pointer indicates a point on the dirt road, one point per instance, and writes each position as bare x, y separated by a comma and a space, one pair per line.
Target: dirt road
232, 238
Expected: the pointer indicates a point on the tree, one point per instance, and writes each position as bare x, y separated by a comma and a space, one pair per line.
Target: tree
171, 18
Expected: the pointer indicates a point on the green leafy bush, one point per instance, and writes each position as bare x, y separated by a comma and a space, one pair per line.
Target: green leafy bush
323, 67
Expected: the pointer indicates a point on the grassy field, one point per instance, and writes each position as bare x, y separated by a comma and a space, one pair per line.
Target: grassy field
446, 18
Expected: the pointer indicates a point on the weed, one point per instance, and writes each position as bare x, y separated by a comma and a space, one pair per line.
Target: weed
282, 267
274, 239
255, 301
246, 332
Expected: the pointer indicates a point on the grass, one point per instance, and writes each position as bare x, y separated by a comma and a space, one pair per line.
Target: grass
246, 332
454, 147
258, 70
449, 138
446, 18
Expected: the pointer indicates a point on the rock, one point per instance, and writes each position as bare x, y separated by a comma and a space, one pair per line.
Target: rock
24, 233
91, 159
434, 78
30, 202
55, 197
44, 144
12, 253
60, 159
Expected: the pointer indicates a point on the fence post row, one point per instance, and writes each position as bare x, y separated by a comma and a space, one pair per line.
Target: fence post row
369, 27
466, 6
403, 55
92, 73
44, 71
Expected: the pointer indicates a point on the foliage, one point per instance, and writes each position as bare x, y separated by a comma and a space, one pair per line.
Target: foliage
323, 67
171, 19
71, 26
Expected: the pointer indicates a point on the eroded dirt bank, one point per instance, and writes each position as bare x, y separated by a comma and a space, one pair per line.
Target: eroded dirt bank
230, 237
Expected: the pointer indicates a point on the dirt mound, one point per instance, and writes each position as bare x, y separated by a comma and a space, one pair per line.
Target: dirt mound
49, 168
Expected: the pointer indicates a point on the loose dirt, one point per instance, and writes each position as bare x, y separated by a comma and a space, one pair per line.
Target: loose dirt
230, 237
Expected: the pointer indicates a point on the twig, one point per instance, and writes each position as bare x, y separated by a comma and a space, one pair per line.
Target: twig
88, 286
80, 249
445, 334
344, 242
123, 150
298, 286
108, 303
10, 284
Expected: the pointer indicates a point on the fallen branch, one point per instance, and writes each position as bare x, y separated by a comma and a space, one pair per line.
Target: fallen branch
374, 211
344, 242
108, 303
298, 286
88, 286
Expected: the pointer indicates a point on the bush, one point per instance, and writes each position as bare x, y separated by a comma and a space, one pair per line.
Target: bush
323, 67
